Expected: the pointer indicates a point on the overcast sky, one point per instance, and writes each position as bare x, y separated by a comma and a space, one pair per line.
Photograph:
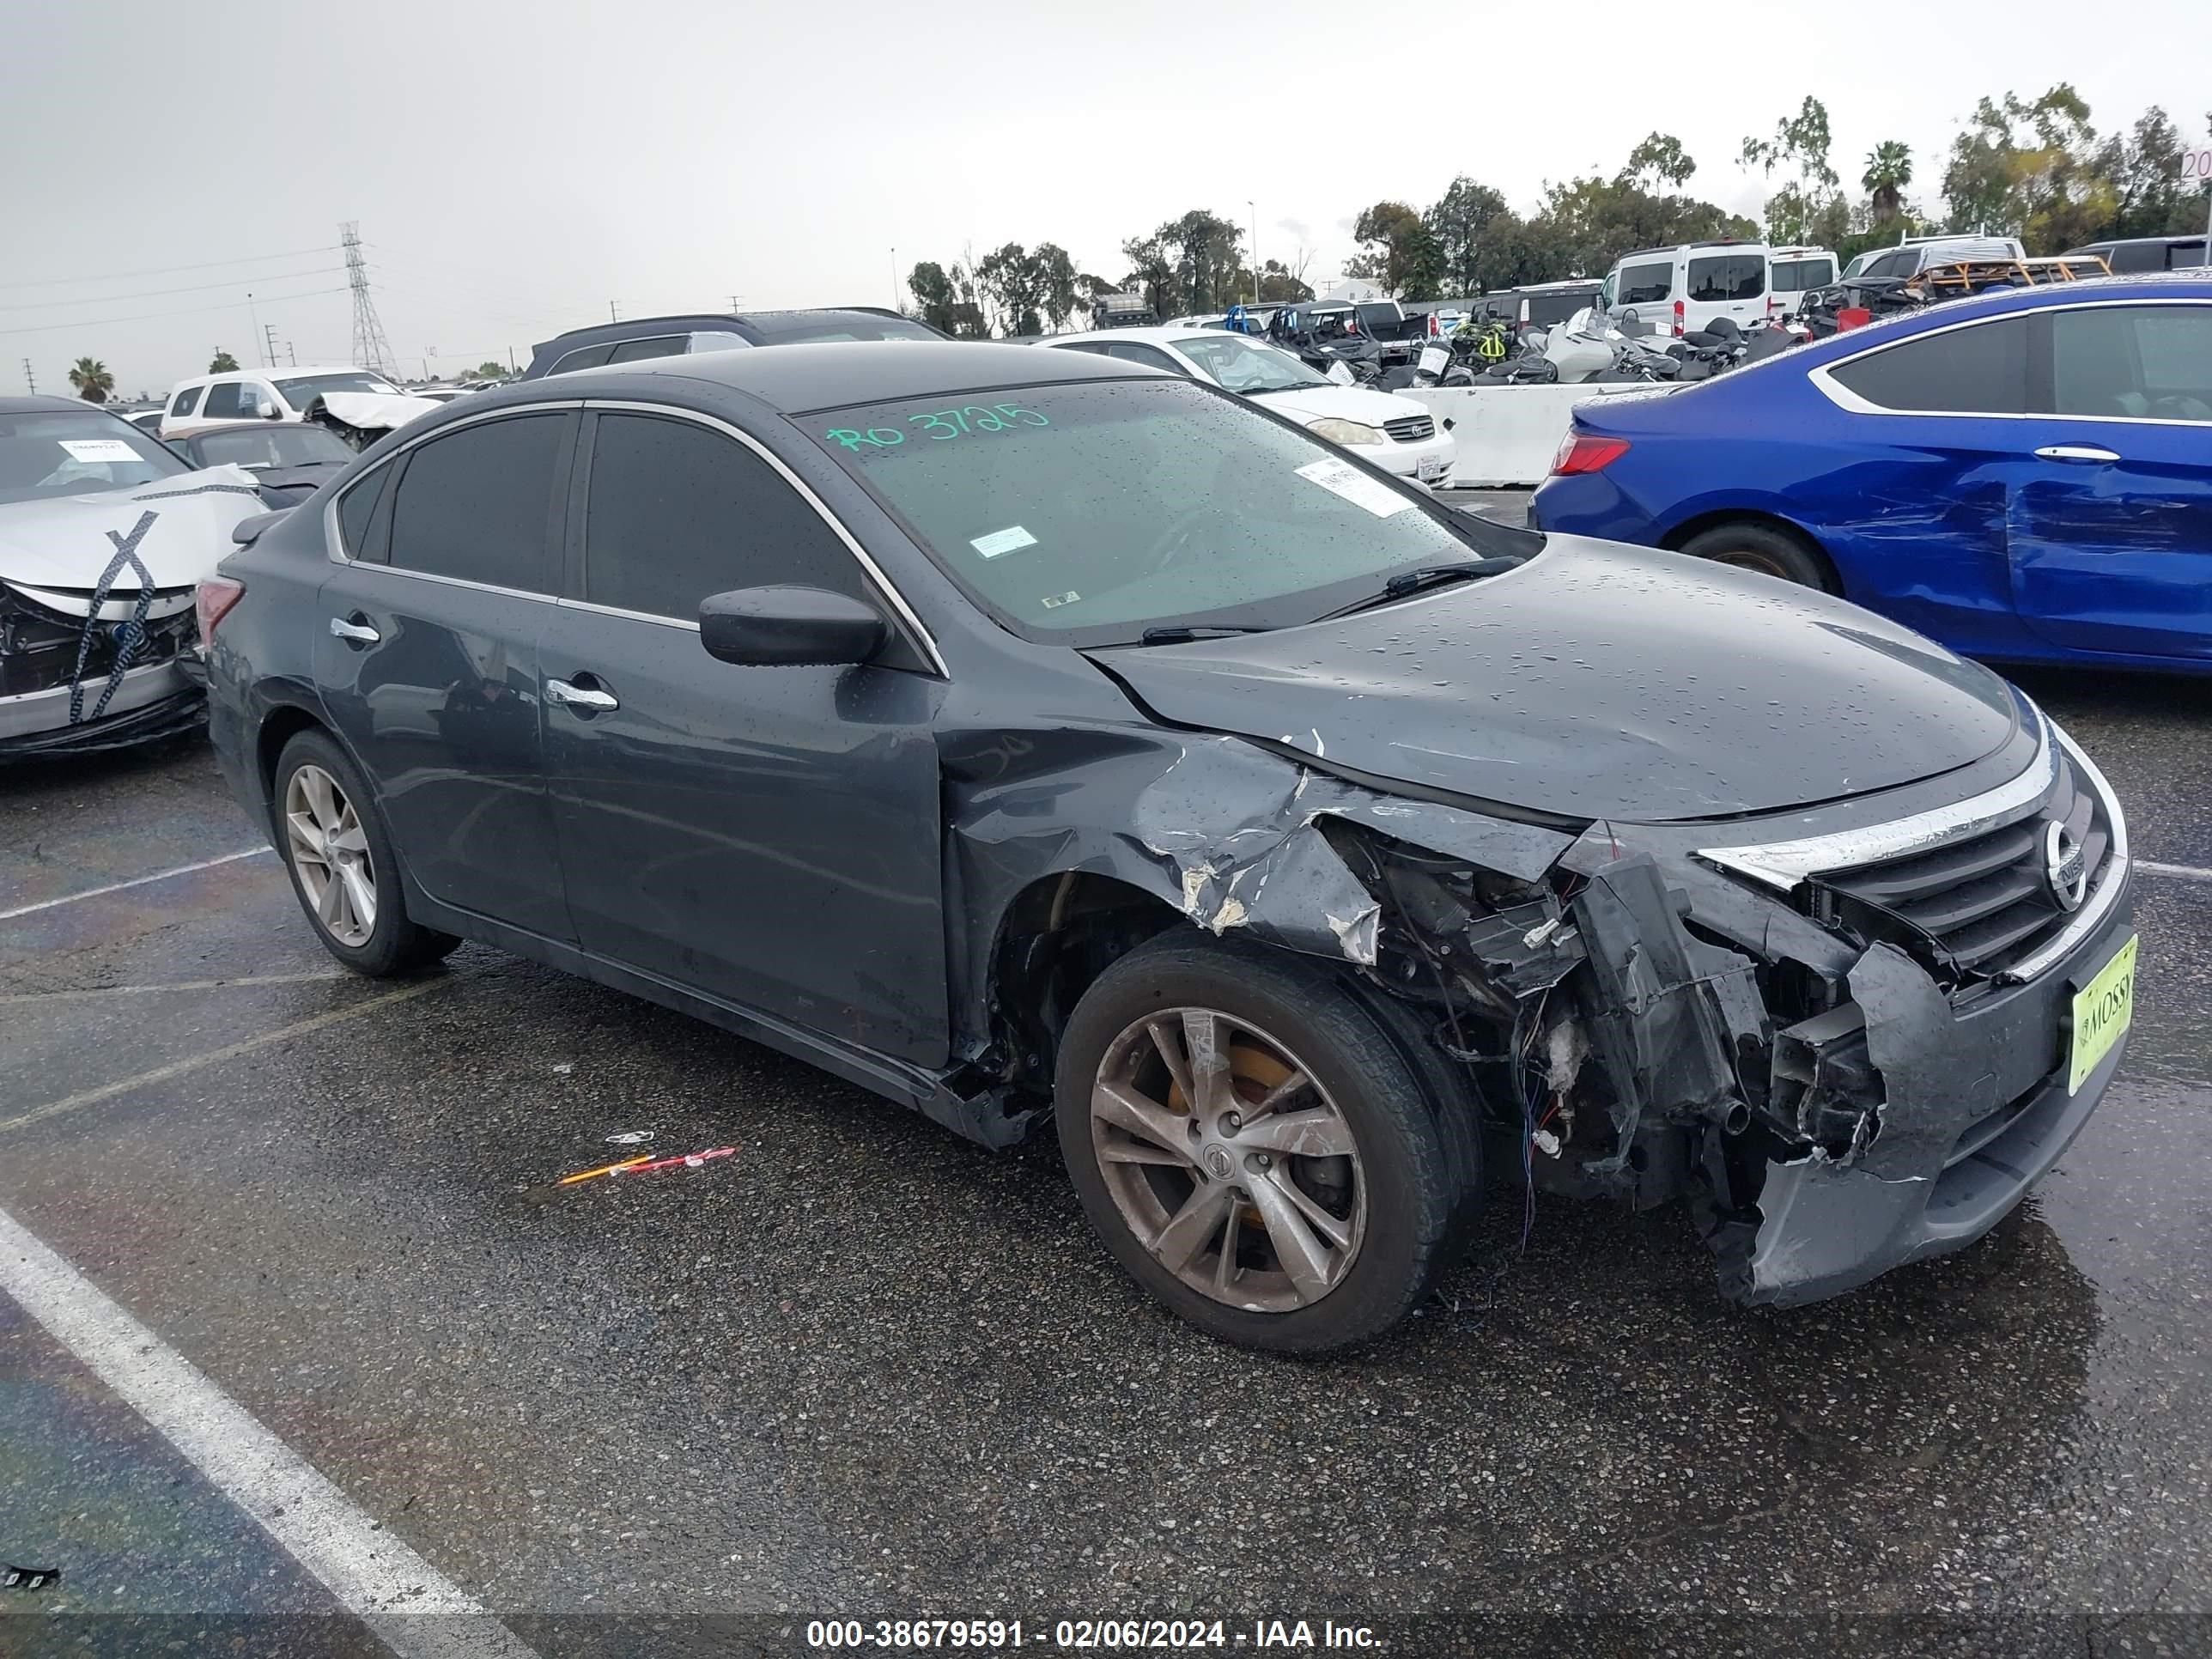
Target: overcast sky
514, 164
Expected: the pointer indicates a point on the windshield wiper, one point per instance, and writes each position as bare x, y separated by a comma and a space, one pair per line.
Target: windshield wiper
1184, 633
1429, 575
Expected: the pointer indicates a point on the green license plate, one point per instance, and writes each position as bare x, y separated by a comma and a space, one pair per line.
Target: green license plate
2102, 1009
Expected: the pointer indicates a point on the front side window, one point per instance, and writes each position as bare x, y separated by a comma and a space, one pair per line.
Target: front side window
226, 401
637, 351
45, 456
590, 356
1980, 369
677, 511
1085, 513
476, 503
186, 401
713, 339
1132, 352
2127, 258
300, 389
2138, 362
1716, 278
1240, 366
1647, 284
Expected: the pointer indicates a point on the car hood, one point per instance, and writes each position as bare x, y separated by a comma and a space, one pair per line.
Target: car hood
1341, 403
1596, 681
62, 546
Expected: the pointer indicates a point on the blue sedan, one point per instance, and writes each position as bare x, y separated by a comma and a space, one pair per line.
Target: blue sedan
2025, 476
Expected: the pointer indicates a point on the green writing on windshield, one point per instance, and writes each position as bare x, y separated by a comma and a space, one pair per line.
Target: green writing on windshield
941, 425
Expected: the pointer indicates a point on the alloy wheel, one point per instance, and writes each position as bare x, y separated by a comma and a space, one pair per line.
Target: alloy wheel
330, 856
1228, 1160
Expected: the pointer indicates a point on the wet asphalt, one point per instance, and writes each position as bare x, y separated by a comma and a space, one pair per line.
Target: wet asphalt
862, 1367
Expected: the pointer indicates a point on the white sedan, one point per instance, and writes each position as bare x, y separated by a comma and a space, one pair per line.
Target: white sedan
1394, 433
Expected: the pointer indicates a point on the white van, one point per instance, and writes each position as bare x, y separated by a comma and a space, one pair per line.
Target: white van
1794, 272
1679, 291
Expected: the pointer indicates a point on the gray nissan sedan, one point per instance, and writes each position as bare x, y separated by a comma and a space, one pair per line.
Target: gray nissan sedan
1024, 734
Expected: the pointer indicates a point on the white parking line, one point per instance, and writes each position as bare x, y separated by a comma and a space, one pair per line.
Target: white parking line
178, 1067
2184, 871
174, 985
136, 881
413, 1609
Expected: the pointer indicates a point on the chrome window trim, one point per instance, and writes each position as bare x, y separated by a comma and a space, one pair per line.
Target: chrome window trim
627, 615
874, 571
460, 582
1783, 864
1849, 401
334, 545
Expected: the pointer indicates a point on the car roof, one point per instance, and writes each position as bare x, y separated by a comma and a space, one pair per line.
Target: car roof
39, 403
2152, 285
826, 374
767, 324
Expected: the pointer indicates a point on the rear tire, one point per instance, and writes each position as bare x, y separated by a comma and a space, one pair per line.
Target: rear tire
1318, 1222
344, 873
1767, 549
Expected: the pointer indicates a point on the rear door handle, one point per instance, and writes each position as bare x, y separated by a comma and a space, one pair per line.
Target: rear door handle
355, 633
2075, 452
579, 696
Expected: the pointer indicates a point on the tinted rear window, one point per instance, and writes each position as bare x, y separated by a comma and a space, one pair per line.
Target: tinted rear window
1796, 276
1978, 370
1722, 276
474, 504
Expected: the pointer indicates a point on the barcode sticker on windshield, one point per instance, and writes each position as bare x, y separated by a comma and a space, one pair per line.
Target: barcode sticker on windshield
97, 449
1003, 541
1342, 478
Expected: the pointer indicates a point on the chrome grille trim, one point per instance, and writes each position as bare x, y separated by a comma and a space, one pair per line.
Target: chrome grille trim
1783, 864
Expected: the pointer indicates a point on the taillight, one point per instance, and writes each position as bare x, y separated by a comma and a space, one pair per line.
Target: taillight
1584, 451
211, 603
1680, 314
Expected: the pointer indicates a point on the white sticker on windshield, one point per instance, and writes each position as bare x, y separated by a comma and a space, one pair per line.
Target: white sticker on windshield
1052, 602
1342, 478
97, 449
1003, 541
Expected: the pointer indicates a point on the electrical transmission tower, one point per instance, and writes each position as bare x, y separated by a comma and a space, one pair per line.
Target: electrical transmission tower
370, 348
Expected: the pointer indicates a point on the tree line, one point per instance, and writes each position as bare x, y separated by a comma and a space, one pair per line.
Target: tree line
2038, 170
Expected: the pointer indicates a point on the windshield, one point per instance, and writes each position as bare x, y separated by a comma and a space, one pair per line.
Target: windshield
1084, 514
300, 389
63, 452
283, 445
1240, 366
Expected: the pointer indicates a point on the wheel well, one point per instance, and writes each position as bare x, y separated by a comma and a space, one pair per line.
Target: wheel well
1682, 534
284, 723
1060, 933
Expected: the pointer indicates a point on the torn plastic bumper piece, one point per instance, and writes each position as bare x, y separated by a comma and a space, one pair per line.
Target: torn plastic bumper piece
1973, 1110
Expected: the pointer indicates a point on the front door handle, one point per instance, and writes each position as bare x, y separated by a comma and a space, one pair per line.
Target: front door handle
354, 633
579, 696
2075, 452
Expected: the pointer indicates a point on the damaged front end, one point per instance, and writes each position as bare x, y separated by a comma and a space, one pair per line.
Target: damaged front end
76, 677
1846, 1052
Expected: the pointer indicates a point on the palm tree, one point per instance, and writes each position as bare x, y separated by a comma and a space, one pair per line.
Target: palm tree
1889, 170
92, 380
223, 363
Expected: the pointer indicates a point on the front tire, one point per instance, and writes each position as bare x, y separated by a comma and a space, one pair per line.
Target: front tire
343, 870
1253, 1148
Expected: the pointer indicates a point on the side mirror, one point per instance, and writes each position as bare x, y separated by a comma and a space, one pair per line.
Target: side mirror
272, 413
787, 626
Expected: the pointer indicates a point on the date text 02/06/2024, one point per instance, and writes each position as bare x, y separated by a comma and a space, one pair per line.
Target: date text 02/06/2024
993, 1635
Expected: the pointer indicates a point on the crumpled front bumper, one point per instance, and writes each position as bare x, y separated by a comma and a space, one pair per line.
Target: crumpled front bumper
159, 701
1975, 1110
